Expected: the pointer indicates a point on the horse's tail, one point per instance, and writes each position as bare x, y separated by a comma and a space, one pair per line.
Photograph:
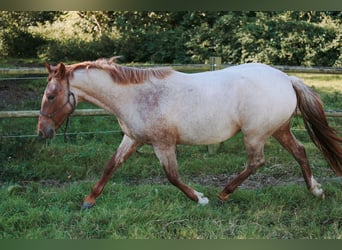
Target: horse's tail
315, 121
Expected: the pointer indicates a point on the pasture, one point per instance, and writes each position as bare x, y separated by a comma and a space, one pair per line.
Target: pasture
43, 184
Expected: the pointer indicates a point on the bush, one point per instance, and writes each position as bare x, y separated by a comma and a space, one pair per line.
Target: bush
276, 38
271, 39
77, 49
19, 43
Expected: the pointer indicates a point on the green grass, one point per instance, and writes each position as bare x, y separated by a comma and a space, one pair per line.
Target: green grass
139, 203
162, 212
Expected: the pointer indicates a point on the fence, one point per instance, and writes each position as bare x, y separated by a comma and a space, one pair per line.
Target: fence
30, 113
293, 69
38, 71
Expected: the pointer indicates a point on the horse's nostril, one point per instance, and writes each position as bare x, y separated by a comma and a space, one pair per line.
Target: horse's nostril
50, 133
40, 134
46, 134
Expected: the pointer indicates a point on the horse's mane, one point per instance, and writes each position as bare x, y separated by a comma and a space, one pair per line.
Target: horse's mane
122, 74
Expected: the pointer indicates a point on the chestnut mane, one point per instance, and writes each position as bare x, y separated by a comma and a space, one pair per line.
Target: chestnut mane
122, 74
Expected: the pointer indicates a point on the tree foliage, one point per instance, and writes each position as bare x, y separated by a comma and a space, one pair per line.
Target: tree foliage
287, 37
15, 38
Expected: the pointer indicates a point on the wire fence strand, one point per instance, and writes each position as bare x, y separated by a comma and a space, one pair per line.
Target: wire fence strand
22, 78
62, 134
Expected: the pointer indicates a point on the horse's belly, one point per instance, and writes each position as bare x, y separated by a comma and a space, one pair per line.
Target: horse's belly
201, 133
205, 140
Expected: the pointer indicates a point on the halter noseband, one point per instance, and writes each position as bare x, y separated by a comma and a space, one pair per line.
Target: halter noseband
73, 107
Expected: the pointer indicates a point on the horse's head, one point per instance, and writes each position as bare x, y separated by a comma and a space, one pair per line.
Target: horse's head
58, 102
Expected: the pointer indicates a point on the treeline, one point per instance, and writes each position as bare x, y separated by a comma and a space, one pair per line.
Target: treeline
279, 38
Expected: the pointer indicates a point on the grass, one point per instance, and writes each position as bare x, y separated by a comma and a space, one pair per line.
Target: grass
161, 212
43, 185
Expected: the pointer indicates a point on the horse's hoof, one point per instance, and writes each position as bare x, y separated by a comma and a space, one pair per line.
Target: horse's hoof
201, 199
220, 203
87, 205
223, 196
323, 196
316, 189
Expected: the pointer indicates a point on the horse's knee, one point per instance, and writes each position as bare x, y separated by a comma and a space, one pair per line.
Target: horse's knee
255, 165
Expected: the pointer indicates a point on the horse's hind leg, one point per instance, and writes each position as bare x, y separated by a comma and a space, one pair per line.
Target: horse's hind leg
167, 157
291, 144
255, 151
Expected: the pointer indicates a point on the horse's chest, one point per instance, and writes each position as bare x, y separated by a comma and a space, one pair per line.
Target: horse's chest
136, 129
126, 129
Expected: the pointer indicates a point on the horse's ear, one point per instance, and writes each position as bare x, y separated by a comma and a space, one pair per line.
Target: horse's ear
113, 59
48, 67
61, 71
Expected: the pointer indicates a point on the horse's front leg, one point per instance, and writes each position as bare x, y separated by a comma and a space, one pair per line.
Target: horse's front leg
167, 157
125, 149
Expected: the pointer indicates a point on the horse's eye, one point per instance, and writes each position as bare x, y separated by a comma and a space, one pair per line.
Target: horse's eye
51, 97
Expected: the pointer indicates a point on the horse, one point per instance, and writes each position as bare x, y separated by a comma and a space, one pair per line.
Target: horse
163, 107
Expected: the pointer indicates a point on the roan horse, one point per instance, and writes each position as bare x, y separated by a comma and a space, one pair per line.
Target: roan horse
163, 108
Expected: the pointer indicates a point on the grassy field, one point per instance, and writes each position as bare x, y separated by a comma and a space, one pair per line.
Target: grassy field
42, 184
162, 212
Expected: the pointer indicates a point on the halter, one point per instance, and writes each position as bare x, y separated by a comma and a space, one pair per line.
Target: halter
73, 107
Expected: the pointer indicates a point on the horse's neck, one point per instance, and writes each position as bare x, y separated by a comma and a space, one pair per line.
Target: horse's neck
99, 89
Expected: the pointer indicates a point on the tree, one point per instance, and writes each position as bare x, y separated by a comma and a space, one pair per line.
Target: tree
15, 39
286, 37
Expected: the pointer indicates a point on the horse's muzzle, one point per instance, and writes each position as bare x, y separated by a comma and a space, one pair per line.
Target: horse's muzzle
47, 133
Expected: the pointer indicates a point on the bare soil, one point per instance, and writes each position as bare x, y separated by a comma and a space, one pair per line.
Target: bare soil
12, 93
255, 181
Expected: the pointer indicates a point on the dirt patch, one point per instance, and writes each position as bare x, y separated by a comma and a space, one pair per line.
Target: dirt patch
14, 93
255, 181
